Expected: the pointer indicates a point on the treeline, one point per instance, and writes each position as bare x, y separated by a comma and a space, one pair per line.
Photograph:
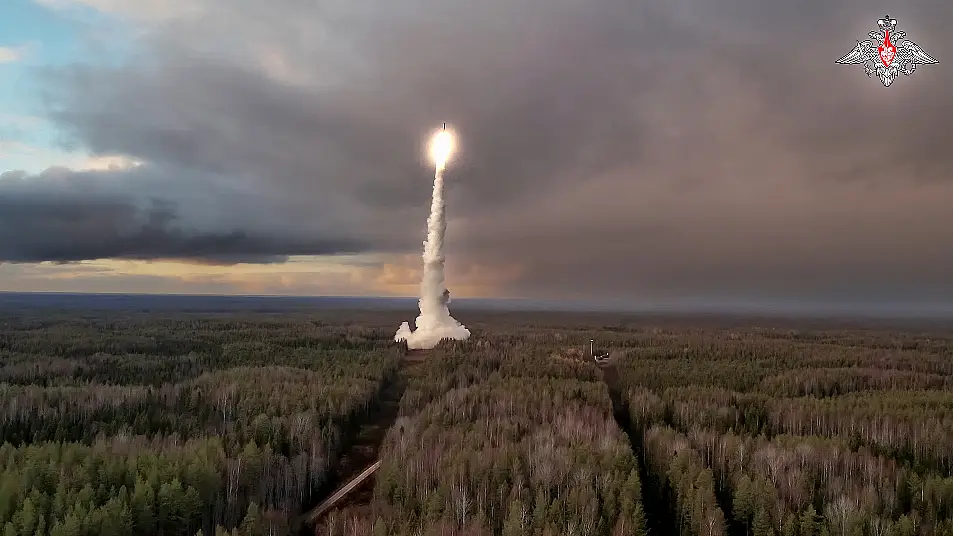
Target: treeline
187, 424
80, 335
125, 486
514, 445
836, 443
465, 363
236, 432
914, 427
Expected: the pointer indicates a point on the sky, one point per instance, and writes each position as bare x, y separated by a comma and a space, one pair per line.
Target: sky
660, 152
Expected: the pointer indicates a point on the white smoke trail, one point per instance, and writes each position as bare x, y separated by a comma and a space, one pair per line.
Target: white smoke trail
434, 323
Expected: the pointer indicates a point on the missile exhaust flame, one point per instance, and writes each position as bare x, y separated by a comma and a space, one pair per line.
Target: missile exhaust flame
442, 145
435, 323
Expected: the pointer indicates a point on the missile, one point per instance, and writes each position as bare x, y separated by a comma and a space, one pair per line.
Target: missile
445, 126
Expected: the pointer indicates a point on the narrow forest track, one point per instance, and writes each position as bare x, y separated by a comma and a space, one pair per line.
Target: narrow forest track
659, 516
362, 451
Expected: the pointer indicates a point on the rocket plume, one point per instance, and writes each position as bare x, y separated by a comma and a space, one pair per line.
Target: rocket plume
434, 323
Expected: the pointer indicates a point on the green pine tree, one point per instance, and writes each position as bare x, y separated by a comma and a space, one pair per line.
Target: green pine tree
58, 529
639, 523
790, 526
809, 524
905, 526
251, 525
380, 528
40, 527
761, 525
742, 504
26, 518
72, 525
143, 508
513, 526
631, 491
540, 505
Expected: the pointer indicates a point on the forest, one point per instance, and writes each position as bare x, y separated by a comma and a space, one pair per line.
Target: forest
239, 423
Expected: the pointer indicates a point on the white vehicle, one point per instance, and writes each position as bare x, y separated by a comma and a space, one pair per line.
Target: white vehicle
597, 358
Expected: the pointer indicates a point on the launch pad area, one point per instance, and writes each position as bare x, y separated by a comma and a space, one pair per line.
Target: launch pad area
416, 355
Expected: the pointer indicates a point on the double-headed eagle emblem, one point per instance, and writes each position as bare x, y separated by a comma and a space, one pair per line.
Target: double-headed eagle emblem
887, 53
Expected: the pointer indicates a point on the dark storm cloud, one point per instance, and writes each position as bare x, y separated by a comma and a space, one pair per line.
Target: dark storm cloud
65, 216
537, 92
677, 147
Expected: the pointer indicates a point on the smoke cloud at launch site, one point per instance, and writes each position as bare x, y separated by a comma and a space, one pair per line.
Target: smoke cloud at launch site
661, 151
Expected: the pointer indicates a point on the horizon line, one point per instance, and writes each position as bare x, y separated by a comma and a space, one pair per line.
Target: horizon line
675, 306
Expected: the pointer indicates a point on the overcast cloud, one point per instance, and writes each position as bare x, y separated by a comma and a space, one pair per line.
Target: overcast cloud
661, 150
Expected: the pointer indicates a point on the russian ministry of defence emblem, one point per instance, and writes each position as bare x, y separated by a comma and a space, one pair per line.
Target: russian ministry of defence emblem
887, 52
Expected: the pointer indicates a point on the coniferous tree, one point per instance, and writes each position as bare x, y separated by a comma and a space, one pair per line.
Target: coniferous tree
742, 503
252, 524
380, 528
514, 524
761, 525
639, 523
790, 526
809, 524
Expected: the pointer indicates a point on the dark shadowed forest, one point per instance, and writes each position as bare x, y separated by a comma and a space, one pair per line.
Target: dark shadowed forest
184, 423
